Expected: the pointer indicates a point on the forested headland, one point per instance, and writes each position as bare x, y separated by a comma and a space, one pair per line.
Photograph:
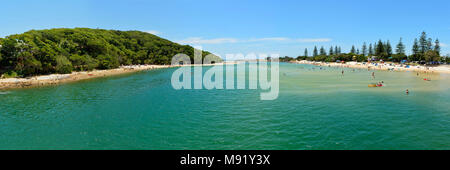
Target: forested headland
424, 51
64, 50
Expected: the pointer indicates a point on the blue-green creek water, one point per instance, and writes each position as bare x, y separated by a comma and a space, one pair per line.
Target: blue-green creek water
316, 109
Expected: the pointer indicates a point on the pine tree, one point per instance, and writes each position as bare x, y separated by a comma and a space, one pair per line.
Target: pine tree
416, 50
437, 47
357, 51
370, 50
353, 50
375, 46
315, 53
380, 51
306, 52
388, 49
364, 49
429, 44
331, 51
423, 43
339, 52
322, 51
400, 47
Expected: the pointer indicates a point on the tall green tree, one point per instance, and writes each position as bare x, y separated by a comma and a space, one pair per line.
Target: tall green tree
315, 52
416, 53
437, 47
322, 51
331, 51
364, 49
388, 49
429, 44
400, 47
423, 43
353, 50
306, 52
336, 50
380, 50
370, 50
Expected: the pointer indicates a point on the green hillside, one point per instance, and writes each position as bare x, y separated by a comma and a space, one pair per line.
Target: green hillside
65, 50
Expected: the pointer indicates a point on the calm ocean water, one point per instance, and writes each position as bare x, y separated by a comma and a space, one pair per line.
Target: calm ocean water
316, 109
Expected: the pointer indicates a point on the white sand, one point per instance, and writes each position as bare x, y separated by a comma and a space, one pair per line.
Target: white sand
382, 66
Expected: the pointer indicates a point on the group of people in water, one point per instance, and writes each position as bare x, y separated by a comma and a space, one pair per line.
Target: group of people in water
381, 83
372, 74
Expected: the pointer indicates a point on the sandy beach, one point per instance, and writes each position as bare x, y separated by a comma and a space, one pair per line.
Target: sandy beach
382, 66
55, 79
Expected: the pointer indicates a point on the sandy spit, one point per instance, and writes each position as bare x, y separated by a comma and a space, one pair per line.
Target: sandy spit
55, 79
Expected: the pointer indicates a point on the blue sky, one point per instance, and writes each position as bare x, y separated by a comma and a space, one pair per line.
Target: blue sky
243, 26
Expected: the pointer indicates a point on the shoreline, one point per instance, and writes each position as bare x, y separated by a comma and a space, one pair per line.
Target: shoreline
57, 79
380, 66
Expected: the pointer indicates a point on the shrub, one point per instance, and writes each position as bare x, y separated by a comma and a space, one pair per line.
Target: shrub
107, 62
63, 65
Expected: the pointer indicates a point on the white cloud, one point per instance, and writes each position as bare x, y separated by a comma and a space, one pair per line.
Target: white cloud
443, 45
154, 32
199, 40
270, 39
314, 40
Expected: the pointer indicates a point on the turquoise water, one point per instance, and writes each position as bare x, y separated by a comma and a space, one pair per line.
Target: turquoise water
316, 109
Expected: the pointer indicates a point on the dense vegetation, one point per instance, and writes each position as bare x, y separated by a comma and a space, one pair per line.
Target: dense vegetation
424, 50
65, 50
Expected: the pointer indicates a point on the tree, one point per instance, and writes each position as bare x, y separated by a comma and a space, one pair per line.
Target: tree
63, 65
423, 43
400, 47
315, 53
331, 51
107, 62
306, 52
336, 50
429, 44
431, 56
322, 51
437, 47
388, 49
416, 56
375, 46
370, 50
380, 50
416, 48
83, 63
353, 50
364, 49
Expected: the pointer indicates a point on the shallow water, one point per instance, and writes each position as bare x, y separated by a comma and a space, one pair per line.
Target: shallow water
316, 109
